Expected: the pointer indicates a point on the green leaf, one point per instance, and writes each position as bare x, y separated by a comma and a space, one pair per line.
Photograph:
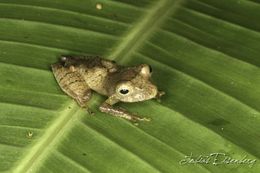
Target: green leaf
205, 56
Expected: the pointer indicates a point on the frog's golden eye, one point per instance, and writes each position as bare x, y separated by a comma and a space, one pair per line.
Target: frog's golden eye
124, 91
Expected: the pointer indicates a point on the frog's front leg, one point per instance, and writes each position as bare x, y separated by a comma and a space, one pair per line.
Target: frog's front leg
107, 107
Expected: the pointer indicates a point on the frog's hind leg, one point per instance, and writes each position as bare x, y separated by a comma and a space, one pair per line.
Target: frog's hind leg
72, 83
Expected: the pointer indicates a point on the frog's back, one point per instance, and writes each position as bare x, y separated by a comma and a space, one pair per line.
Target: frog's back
94, 70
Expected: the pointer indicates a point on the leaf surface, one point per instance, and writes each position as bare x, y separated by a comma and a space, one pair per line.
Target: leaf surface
204, 54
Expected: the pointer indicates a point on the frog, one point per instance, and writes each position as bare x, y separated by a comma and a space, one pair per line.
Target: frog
79, 76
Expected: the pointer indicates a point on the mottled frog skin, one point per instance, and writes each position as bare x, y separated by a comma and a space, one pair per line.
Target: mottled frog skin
78, 76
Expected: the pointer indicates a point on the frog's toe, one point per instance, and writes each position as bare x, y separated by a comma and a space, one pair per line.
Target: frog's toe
136, 119
160, 94
90, 112
158, 100
136, 124
145, 119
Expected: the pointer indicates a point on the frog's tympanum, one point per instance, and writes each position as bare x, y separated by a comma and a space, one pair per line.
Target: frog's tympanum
78, 76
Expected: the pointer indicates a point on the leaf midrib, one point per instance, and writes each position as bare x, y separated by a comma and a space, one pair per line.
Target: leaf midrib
50, 134
144, 28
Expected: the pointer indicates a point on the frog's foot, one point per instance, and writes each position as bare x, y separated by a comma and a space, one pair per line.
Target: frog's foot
85, 106
136, 119
90, 112
159, 95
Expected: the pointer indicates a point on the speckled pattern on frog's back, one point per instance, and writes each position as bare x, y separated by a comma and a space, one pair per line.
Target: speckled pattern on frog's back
70, 81
94, 70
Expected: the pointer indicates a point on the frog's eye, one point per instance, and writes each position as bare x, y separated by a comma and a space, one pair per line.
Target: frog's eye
124, 88
124, 91
146, 70
150, 69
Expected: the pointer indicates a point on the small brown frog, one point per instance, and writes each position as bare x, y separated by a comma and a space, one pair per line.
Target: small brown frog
77, 76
